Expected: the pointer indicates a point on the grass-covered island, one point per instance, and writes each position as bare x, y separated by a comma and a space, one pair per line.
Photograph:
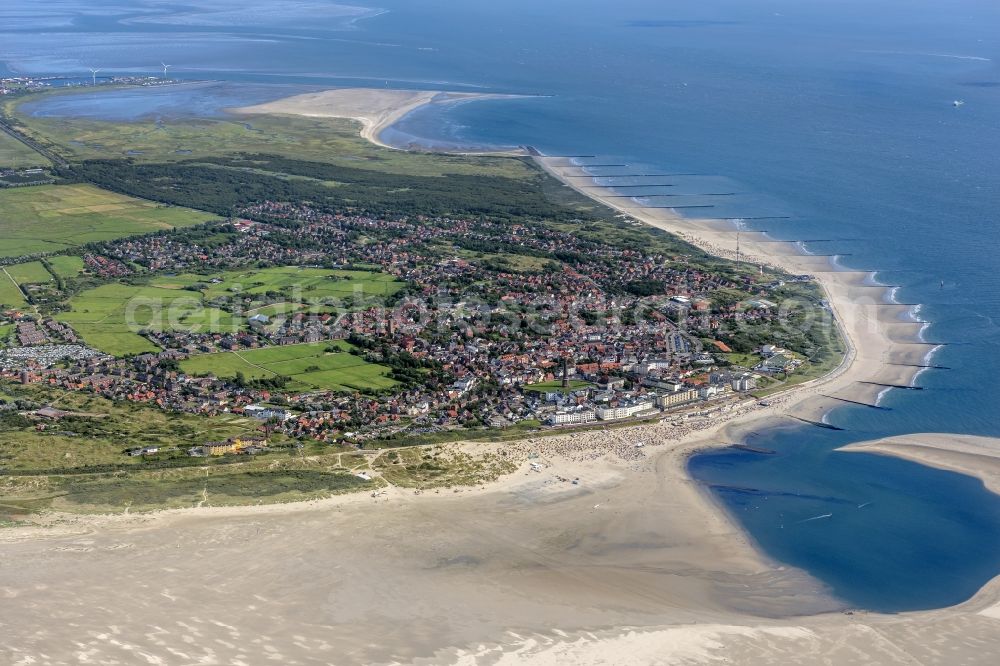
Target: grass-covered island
221, 311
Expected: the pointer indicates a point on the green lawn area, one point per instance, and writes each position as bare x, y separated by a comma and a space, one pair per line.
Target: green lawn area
275, 309
49, 218
556, 385
109, 317
310, 366
306, 286
66, 266
32, 272
743, 360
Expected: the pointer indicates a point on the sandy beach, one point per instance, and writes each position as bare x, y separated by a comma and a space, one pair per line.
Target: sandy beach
633, 564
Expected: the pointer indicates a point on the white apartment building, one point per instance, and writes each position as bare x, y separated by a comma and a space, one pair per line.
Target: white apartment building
623, 412
572, 416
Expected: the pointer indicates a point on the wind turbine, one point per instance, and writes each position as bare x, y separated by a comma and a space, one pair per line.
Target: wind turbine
93, 75
165, 67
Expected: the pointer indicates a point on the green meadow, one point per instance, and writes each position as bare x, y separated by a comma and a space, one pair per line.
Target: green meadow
297, 285
50, 218
66, 266
15, 154
109, 317
10, 295
310, 366
32, 272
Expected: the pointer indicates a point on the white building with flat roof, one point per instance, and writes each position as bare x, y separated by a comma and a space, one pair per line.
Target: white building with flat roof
623, 411
571, 416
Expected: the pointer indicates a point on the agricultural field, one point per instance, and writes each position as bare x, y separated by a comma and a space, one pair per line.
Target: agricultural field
66, 266
50, 218
32, 272
300, 287
109, 317
310, 366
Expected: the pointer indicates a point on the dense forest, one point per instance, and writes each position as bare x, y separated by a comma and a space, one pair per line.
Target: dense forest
224, 185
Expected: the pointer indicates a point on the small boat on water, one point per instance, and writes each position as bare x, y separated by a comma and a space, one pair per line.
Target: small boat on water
819, 517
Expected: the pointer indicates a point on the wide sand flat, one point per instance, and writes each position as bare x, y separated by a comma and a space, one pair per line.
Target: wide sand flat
631, 566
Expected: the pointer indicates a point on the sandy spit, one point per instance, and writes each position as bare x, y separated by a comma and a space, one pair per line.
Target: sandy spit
966, 454
375, 109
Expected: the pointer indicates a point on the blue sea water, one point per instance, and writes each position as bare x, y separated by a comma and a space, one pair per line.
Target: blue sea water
836, 113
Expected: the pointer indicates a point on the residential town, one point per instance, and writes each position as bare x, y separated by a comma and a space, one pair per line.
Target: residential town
504, 324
